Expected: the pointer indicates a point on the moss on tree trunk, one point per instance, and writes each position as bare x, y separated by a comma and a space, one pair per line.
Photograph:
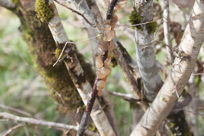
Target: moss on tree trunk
42, 48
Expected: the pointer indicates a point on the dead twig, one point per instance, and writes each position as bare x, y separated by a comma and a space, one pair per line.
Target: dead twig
14, 110
73, 10
166, 30
9, 116
86, 116
125, 96
12, 129
7, 4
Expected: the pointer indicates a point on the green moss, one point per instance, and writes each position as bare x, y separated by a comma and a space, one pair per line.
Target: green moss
16, 2
43, 53
92, 127
43, 10
151, 27
57, 52
135, 19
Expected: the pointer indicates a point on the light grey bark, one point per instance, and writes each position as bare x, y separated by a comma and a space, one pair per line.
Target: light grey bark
166, 21
184, 3
7, 4
145, 55
192, 109
182, 68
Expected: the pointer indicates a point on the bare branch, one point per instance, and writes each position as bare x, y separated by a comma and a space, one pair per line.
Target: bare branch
33, 121
63, 3
7, 4
178, 77
103, 60
166, 20
184, 3
14, 110
125, 96
125, 62
12, 129
86, 116
145, 55
110, 9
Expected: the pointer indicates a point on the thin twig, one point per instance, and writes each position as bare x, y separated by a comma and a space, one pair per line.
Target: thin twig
125, 96
139, 24
7, 4
197, 74
60, 56
73, 10
14, 110
9, 116
12, 129
110, 9
101, 77
86, 116
76, 72
166, 30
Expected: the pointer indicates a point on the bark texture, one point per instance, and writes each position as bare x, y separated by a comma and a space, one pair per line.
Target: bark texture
42, 47
77, 73
146, 61
178, 76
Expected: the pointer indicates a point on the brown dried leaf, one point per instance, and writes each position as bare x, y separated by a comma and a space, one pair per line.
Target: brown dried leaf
108, 35
103, 72
101, 84
99, 62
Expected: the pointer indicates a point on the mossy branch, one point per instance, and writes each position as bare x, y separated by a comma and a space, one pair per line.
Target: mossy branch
43, 10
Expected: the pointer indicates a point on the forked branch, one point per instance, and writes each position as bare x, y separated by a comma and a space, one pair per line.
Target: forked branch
182, 68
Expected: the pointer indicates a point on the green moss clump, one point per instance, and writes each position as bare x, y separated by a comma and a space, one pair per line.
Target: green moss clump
151, 27
43, 52
43, 10
134, 19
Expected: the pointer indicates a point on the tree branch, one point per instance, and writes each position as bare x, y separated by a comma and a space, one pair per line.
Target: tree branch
9, 116
103, 60
125, 96
7, 4
12, 129
125, 62
146, 60
14, 110
63, 3
166, 20
77, 74
86, 116
178, 77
